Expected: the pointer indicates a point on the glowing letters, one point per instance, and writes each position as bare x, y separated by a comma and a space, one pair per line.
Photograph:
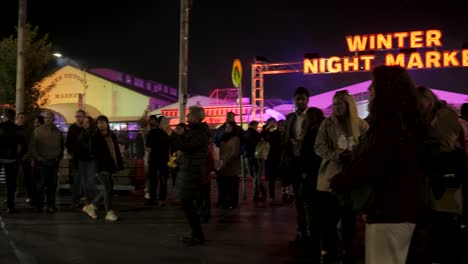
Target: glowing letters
391, 41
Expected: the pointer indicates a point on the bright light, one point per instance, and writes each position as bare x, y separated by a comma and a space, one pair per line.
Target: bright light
58, 55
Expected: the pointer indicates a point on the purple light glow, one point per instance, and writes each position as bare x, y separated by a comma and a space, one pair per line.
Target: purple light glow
323, 101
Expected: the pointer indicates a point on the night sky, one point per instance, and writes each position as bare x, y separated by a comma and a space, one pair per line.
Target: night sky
141, 37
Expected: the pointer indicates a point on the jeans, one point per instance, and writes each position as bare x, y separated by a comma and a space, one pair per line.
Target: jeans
193, 218
105, 194
77, 188
46, 183
87, 172
158, 172
11, 172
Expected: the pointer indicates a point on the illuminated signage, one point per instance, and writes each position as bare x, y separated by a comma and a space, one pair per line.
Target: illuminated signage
392, 41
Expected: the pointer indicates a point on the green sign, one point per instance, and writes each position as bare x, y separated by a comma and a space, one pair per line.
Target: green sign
236, 73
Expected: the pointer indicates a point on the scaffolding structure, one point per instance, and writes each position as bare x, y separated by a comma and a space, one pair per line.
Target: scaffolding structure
259, 70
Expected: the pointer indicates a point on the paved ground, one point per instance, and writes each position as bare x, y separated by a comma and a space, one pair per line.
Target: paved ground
147, 235
248, 235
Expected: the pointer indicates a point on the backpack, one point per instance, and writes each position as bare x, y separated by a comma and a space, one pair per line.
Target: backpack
262, 149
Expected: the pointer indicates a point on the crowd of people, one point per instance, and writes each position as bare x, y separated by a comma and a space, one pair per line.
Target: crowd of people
400, 171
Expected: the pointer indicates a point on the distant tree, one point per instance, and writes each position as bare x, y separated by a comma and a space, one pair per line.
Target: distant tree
38, 56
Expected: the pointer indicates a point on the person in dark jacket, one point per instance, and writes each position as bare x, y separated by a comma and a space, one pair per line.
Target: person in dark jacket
273, 136
387, 161
25, 176
301, 165
194, 146
86, 159
251, 141
108, 161
12, 143
158, 143
74, 132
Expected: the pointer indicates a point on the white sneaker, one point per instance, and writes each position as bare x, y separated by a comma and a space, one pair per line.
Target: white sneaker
90, 209
111, 216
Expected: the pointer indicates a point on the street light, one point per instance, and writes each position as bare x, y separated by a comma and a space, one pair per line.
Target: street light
58, 55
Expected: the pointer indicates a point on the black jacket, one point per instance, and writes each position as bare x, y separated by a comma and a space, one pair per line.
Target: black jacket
104, 161
307, 162
84, 146
74, 132
158, 142
251, 140
10, 138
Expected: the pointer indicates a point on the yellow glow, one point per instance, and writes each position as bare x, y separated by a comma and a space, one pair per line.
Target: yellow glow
450, 58
106, 97
350, 62
401, 38
310, 66
465, 58
367, 61
322, 65
384, 41
372, 42
399, 60
433, 59
416, 39
334, 65
415, 60
433, 38
356, 43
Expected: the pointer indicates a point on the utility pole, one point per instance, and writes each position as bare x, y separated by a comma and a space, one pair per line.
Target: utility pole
19, 104
183, 57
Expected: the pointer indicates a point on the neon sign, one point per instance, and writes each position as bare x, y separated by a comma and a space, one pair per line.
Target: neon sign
400, 40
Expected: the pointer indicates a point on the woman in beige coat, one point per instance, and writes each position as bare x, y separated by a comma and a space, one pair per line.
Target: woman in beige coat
336, 138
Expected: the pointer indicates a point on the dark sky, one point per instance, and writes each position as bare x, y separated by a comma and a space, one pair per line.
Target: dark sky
142, 36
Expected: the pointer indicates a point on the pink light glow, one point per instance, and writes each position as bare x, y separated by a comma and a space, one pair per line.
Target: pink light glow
324, 100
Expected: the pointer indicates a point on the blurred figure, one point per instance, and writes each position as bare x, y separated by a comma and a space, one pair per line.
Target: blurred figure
74, 131
48, 148
86, 159
272, 135
252, 139
386, 160
174, 150
108, 161
194, 146
230, 165
25, 174
12, 145
158, 143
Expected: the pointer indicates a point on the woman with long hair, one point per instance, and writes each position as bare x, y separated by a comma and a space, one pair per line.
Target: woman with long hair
86, 158
387, 162
108, 161
335, 142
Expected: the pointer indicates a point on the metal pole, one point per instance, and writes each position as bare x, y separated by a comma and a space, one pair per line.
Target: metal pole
244, 190
19, 104
183, 57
